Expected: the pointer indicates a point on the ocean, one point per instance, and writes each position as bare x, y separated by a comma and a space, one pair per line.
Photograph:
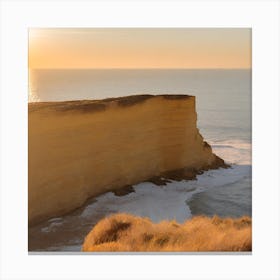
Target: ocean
223, 105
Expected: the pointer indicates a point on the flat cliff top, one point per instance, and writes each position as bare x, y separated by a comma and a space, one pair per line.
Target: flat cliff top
102, 104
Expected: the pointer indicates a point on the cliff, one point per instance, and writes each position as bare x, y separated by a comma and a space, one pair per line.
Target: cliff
80, 149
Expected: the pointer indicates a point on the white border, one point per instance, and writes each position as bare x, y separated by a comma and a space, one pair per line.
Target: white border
262, 16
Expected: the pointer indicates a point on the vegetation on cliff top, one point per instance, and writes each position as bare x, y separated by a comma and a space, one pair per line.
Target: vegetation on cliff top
128, 233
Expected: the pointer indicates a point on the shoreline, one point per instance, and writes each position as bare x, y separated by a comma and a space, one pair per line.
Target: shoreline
61, 233
160, 181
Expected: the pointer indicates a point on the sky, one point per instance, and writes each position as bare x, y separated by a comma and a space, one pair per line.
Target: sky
63, 48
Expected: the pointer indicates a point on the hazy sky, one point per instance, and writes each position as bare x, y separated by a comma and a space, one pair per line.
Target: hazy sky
140, 48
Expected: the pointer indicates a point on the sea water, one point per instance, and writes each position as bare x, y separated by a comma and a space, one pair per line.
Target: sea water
223, 105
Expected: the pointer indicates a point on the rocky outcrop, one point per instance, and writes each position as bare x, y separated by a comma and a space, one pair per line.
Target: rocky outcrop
80, 149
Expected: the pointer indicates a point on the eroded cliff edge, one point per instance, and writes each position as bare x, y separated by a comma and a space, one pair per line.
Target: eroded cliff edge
80, 149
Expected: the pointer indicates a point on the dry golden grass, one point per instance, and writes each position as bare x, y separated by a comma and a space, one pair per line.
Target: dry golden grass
128, 233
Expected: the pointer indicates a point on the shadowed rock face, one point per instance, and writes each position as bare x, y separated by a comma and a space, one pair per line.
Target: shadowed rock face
80, 149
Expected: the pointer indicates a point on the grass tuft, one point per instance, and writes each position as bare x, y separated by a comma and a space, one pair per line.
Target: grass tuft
128, 233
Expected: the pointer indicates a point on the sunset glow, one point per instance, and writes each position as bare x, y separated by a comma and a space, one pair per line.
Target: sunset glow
139, 48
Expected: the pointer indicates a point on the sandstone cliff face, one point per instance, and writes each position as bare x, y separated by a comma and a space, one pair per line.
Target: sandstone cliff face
79, 149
